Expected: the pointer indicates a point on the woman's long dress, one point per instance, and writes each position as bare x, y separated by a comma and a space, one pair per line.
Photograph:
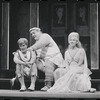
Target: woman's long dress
75, 79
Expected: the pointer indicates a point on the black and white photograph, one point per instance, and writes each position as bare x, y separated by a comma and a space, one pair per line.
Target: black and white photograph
49, 50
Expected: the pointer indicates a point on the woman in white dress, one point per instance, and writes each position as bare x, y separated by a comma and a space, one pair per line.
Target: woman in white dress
75, 77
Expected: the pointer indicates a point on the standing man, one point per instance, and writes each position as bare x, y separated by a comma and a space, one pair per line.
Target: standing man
49, 56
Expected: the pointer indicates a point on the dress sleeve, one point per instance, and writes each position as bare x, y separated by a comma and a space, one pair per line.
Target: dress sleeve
16, 58
86, 69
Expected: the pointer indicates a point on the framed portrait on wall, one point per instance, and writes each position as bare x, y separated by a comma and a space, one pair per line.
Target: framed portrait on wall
83, 18
59, 15
82, 13
59, 19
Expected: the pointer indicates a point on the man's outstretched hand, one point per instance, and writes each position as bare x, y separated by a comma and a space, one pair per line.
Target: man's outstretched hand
29, 49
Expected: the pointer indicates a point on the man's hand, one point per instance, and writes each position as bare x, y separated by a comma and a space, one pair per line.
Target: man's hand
30, 48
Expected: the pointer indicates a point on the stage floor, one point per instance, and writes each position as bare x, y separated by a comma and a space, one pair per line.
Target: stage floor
41, 94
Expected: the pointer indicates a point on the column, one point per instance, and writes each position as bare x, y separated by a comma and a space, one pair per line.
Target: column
34, 17
94, 42
5, 37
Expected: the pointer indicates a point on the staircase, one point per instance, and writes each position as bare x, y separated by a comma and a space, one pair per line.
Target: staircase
95, 79
7, 75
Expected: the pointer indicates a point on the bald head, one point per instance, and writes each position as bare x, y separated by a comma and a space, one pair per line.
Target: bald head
34, 29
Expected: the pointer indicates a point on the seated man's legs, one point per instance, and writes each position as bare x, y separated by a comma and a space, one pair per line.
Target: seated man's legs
40, 64
33, 74
48, 69
20, 76
49, 77
59, 72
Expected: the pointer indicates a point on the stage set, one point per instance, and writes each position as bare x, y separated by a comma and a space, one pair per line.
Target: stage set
12, 93
39, 95
18, 16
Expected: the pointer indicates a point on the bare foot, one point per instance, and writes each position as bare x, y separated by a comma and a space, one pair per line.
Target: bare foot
23, 88
92, 90
45, 88
31, 88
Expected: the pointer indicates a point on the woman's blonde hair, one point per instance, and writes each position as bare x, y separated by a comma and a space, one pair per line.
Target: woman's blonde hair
75, 34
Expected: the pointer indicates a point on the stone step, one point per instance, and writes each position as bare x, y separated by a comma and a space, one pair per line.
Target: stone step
5, 83
6, 75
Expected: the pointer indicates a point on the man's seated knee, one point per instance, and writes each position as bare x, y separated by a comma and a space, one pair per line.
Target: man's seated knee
40, 65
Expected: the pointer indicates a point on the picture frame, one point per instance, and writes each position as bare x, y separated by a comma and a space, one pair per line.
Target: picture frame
59, 15
82, 14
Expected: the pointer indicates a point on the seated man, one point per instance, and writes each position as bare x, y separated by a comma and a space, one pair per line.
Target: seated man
25, 64
50, 56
